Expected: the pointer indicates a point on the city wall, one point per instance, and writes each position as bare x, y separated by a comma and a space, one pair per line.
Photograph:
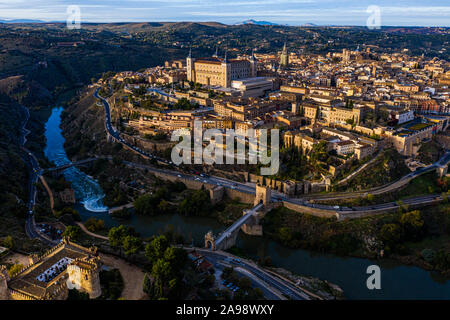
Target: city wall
197, 185
312, 211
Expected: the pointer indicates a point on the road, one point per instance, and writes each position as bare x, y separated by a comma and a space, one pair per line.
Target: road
286, 288
35, 172
382, 189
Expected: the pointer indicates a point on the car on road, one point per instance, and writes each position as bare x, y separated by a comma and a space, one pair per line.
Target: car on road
179, 176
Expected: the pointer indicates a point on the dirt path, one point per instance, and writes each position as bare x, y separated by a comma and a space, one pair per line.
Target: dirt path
85, 230
133, 277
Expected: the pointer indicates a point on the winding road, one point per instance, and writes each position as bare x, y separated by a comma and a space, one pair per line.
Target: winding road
35, 173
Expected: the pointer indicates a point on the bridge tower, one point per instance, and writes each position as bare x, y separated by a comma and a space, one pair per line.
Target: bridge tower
252, 226
210, 241
263, 193
442, 170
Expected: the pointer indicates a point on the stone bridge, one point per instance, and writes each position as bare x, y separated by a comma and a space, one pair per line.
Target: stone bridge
248, 223
63, 167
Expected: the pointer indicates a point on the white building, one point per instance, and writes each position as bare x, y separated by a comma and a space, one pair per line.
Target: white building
253, 87
404, 116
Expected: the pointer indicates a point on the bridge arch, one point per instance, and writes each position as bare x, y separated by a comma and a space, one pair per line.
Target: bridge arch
210, 241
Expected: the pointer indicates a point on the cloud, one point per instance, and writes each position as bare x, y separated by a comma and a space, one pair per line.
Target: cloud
350, 12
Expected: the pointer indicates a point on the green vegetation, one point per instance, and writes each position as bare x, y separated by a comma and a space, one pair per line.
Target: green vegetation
419, 126
125, 239
196, 204
122, 214
402, 235
428, 183
112, 284
430, 152
389, 167
185, 104
94, 225
69, 211
14, 269
8, 242
73, 232
74, 294
166, 264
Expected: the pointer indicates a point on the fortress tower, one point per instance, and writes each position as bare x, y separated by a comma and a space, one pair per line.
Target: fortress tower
84, 276
3, 283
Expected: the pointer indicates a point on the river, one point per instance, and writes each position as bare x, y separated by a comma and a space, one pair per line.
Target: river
87, 191
397, 281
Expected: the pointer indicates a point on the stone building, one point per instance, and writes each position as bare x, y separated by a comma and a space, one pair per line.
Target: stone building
284, 57
215, 71
50, 276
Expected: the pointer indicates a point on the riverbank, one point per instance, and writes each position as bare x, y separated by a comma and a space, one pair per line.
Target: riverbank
416, 237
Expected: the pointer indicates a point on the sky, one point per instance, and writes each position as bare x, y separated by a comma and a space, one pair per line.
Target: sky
291, 12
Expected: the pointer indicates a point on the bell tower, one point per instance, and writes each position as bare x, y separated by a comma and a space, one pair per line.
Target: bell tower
253, 65
284, 57
190, 67
226, 71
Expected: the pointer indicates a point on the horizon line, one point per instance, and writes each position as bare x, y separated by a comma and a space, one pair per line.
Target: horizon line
273, 24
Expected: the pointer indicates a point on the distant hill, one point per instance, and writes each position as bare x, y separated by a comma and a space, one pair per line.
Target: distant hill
309, 24
260, 23
21, 21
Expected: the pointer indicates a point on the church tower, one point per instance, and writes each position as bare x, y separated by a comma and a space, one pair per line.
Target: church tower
190, 67
253, 66
284, 57
226, 71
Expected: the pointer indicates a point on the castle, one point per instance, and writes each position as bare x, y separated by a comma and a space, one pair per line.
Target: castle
50, 276
215, 71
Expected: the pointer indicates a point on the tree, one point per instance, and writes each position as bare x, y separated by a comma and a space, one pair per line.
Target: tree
412, 224
245, 283
9, 242
94, 225
131, 245
198, 204
116, 236
147, 204
163, 206
15, 268
73, 232
390, 233
156, 248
